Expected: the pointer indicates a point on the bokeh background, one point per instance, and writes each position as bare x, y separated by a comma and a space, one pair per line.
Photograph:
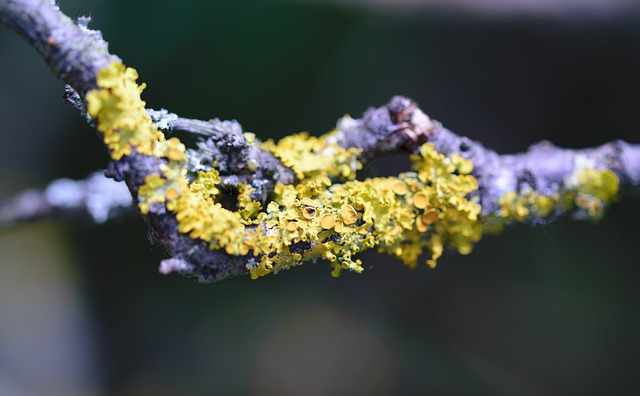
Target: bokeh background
535, 311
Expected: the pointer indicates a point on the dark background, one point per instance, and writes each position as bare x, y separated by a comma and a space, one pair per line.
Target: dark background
535, 311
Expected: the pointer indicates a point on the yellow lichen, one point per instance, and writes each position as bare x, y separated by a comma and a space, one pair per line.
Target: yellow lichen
309, 202
430, 217
119, 112
420, 201
311, 156
172, 193
247, 207
359, 215
309, 212
599, 183
463, 165
205, 184
151, 191
338, 226
201, 219
588, 190
172, 149
400, 188
423, 221
328, 214
519, 207
349, 215
596, 189
328, 221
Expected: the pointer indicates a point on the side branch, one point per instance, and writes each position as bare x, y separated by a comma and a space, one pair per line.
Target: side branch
96, 198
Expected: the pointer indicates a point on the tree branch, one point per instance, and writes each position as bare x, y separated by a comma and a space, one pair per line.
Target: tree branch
96, 198
299, 200
73, 52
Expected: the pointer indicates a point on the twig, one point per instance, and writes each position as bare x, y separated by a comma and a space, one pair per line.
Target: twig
97, 198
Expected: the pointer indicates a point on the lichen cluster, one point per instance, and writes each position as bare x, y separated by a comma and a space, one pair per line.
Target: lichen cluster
327, 214
587, 193
311, 156
125, 125
121, 117
401, 216
594, 191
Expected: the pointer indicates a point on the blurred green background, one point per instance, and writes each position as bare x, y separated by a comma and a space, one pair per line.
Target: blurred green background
535, 311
